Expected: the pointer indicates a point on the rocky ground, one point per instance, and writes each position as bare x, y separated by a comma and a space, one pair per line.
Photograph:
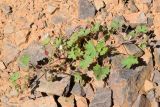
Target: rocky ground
26, 27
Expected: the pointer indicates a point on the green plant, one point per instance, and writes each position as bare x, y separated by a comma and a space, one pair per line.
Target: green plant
129, 61
75, 52
101, 48
115, 25
24, 60
100, 72
141, 29
13, 78
46, 41
78, 78
89, 55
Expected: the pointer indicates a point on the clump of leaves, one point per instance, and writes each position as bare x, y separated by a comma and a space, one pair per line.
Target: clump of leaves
78, 78
100, 72
129, 61
13, 78
24, 60
101, 48
75, 52
89, 55
115, 25
141, 29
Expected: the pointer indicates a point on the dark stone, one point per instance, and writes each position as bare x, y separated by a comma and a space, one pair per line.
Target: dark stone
86, 9
103, 98
78, 90
133, 49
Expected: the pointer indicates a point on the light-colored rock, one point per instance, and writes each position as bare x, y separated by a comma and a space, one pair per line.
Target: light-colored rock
40, 102
21, 36
136, 18
8, 29
54, 88
66, 101
99, 4
154, 103
9, 53
81, 101
2, 66
51, 8
148, 85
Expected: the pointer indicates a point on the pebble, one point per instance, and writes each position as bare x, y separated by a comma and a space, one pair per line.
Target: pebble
85, 9
66, 101
2, 66
132, 7
6, 9
81, 101
99, 4
78, 90
51, 8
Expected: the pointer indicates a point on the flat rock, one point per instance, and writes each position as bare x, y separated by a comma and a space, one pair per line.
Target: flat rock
89, 92
81, 101
40, 102
141, 101
9, 53
54, 88
78, 90
102, 98
66, 101
132, 49
85, 9
126, 84
136, 18
36, 52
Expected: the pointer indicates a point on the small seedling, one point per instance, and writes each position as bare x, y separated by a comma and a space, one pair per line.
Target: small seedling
13, 78
100, 72
141, 29
46, 41
24, 60
129, 61
74, 53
